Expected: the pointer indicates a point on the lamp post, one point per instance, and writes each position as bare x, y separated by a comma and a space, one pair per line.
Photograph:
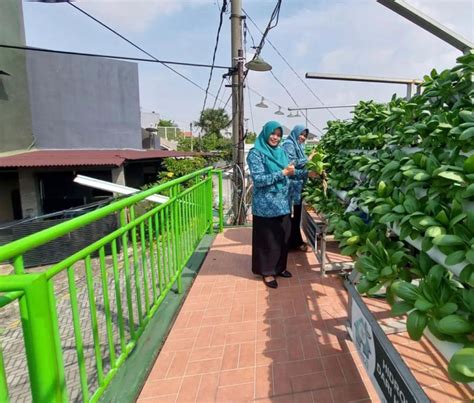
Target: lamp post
237, 72
237, 107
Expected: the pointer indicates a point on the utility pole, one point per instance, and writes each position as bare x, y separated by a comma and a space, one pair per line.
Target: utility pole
237, 108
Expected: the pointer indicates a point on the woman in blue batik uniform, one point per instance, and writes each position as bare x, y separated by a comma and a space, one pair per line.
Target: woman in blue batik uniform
270, 170
294, 149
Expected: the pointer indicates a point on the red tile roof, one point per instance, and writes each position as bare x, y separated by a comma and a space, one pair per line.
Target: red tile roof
63, 158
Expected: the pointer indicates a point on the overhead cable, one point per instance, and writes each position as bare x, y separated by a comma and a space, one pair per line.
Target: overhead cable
274, 18
221, 14
289, 65
138, 47
294, 101
135, 59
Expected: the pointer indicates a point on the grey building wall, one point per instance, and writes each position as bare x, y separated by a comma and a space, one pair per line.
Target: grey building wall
15, 116
83, 102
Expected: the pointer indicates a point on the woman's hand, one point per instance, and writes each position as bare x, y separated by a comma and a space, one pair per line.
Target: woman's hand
312, 174
289, 170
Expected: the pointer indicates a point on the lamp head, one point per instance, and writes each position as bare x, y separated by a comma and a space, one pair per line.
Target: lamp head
258, 64
262, 104
279, 112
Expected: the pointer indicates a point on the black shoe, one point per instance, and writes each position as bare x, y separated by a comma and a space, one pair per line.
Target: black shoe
285, 274
272, 283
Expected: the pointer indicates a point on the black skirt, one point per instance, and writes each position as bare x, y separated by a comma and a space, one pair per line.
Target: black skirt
296, 239
270, 244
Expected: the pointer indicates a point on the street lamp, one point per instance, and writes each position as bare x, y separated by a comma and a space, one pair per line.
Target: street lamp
279, 112
258, 64
262, 104
290, 115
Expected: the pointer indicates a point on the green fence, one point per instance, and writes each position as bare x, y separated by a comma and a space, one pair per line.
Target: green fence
82, 317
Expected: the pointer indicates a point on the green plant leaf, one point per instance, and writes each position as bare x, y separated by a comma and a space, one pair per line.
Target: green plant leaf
416, 323
457, 219
388, 218
400, 308
469, 192
382, 209
399, 209
435, 231
410, 204
349, 250
406, 291
423, 305
470, 256
454, 325
442, 217
428, 221
455, 258
452, 176
460, 367
467, 275
364, 285
447, 309
448, 240
467, 134
469, 164
421, 176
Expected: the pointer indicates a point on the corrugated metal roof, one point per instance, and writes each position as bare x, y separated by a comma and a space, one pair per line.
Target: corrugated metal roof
63, 158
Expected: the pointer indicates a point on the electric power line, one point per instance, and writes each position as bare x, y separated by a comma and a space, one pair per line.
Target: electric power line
218, 92
294, 100
138, 47
260, 95
221, 14
274, 18
288, 64
135, 59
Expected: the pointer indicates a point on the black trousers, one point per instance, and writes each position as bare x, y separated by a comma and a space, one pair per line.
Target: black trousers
295, 236
270, 244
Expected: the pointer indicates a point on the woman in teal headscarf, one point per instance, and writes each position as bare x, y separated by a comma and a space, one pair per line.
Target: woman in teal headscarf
270, 170
294, 149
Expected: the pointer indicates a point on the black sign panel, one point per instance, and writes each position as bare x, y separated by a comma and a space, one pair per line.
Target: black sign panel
391, 377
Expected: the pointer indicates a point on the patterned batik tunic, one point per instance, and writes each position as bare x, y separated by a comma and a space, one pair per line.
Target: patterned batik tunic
268, 200
296, 182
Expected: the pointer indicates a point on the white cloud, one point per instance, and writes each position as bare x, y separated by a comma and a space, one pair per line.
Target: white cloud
355, 37
137, 15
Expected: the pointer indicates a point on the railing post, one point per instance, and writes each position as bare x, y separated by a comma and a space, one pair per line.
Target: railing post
221, 204
42, 348
209, 198
3, 380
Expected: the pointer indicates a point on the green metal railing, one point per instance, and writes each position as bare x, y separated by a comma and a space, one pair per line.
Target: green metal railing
110, 297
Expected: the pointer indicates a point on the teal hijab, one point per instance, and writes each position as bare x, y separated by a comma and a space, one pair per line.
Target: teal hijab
293, 138
276, 158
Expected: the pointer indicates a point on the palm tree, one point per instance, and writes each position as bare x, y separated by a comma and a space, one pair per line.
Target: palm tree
212, 121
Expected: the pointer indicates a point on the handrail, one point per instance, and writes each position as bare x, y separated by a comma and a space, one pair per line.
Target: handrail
22, 245
146, 256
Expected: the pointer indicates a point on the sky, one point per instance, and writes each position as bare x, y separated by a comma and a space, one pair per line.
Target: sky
353, 37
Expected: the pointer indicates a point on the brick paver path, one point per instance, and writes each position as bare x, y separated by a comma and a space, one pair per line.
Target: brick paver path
237, 340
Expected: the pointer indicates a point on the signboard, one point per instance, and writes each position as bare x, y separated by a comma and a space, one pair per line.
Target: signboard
389, 374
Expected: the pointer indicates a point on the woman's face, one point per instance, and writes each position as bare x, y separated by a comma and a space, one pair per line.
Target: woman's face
302, 137
274, 138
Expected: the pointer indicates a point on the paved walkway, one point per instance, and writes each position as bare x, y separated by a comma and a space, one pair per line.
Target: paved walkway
236, 340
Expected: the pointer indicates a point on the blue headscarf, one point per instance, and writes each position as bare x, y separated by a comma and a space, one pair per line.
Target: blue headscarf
293, 139
276, 158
